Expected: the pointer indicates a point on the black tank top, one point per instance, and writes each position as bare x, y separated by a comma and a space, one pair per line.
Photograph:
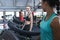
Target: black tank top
27, 18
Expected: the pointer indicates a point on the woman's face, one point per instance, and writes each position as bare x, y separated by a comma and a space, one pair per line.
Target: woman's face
44, 6
28, 9
21, 13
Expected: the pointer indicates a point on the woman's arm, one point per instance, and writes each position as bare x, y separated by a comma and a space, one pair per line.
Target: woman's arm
56, 28
31, 20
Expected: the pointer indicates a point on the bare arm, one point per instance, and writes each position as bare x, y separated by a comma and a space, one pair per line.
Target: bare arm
31, 20
56, 28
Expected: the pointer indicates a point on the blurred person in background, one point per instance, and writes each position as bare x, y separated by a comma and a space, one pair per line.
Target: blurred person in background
29, 19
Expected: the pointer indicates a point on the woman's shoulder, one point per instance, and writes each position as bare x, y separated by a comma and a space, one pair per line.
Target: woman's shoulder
56, 27
55, 22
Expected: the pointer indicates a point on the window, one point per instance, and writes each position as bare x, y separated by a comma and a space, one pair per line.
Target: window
1, 14
17, 14
11, 14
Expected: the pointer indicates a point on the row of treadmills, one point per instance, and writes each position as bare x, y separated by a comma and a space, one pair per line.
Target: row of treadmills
15, 31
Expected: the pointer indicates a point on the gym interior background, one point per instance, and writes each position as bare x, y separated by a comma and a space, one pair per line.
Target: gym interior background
11, 8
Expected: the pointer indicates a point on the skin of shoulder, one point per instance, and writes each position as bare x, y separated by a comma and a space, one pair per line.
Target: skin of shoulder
56, 28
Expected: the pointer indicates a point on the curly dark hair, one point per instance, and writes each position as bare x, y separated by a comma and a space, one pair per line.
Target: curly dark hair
53, 3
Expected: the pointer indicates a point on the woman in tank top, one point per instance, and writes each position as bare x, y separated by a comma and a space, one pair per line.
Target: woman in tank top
29, 20
49, 25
